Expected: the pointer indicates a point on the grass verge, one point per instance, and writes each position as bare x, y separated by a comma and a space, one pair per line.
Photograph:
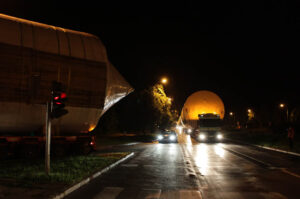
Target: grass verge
264, 137
66, 170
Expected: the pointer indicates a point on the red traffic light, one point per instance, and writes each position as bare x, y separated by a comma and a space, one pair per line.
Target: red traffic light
63, 95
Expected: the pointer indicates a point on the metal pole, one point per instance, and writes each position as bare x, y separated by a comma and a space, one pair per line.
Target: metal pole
48, 138
287, 114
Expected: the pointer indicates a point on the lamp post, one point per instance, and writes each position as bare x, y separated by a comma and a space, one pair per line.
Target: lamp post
164, 80
232, 115
284, 106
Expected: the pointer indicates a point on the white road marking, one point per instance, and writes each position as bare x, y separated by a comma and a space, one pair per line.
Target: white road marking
189, 194
109, 193
149, 194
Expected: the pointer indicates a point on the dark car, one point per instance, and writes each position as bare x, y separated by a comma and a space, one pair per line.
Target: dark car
167, 136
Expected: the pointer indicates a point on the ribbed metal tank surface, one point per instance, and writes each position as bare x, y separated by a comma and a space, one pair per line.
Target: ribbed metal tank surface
32, 55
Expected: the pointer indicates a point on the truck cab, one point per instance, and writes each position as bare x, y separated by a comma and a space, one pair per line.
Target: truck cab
209, 128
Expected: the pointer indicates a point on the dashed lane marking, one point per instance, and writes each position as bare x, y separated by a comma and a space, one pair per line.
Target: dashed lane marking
109, 193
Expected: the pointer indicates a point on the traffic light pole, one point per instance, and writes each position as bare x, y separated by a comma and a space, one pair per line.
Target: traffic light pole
54, 109
48, 137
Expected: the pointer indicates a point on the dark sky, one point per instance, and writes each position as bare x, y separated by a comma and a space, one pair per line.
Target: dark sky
245, 51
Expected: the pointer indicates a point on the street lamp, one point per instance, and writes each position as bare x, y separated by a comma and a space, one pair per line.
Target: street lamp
164, 80
232, 115
284, 106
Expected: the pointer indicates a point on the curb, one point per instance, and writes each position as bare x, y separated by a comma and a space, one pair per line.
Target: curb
267, 148
87, 180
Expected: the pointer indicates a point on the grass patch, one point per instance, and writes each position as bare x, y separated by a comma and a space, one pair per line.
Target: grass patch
264, 137
66, 170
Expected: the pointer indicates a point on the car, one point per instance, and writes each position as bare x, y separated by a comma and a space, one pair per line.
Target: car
167, 136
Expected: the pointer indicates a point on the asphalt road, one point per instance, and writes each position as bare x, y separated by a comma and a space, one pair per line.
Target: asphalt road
197, 170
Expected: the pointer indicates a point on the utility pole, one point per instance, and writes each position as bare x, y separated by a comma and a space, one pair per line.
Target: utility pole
48, 137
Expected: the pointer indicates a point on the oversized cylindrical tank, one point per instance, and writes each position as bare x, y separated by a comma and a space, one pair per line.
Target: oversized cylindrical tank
201, 102
32, 55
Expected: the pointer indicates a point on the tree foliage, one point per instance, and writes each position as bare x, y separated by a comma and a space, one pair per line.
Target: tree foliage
142, 111
166, 115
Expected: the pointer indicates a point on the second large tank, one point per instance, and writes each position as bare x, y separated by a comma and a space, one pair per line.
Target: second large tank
201, 102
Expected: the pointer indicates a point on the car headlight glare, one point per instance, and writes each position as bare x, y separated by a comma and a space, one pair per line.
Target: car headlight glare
172, 137
219, 136
159, 137
202, 137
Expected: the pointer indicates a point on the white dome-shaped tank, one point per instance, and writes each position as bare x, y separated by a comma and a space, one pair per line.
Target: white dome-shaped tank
32, 55
201, 102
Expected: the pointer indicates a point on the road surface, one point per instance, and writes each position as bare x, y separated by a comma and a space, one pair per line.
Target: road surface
198, 170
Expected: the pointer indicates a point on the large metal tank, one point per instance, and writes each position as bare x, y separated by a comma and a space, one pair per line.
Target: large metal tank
201, 102
32, 55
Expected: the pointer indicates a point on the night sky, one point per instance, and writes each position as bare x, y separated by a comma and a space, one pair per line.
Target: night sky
245, 51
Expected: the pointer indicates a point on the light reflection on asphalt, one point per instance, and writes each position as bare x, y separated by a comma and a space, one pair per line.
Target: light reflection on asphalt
219, 150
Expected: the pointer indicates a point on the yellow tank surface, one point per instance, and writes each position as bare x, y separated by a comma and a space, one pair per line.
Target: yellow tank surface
201, 102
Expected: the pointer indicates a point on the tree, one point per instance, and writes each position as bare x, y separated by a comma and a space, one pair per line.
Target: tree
166, 115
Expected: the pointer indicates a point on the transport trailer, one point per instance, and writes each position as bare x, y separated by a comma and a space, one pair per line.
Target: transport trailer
32, 56
34, 146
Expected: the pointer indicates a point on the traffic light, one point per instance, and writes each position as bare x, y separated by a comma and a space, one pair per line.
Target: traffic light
59, 97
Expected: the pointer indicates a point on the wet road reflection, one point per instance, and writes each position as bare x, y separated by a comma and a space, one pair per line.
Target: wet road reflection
227, 175
192, 170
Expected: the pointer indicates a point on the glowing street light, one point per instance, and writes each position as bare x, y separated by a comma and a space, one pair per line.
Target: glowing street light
231, 113
164, 80
284, 106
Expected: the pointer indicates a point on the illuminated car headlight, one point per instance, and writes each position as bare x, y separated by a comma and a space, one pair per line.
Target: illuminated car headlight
202, 137
172, 137
189, 130
159, 137
219, 136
